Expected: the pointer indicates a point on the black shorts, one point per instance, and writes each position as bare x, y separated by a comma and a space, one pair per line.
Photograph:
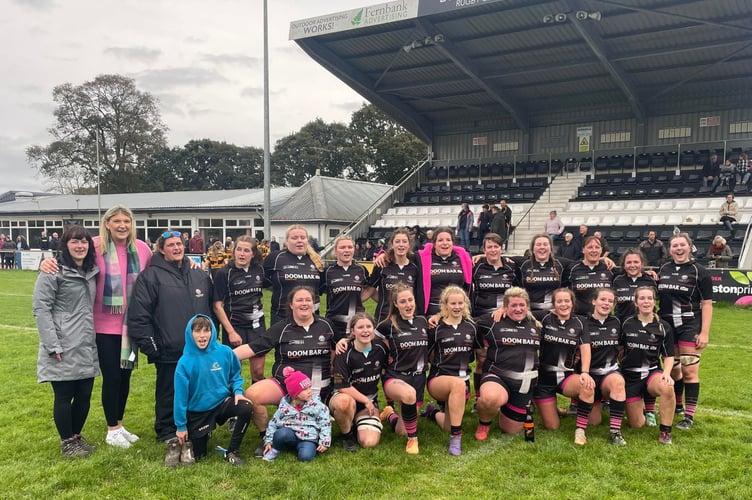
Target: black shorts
515, 407
415, 380
549, 391
246, 334
598, 379
687, 333
201, 423
637, 386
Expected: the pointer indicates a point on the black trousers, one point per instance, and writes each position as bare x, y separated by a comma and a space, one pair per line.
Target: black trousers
71, 406
116, 382
164, 393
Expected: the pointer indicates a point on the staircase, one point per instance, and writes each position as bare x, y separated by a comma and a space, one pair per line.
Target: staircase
559, 192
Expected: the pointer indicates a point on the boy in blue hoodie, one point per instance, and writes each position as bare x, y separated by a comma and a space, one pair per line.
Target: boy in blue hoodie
208, 392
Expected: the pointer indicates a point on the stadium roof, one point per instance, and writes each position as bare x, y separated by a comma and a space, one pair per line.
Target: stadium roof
321, 198
528, 63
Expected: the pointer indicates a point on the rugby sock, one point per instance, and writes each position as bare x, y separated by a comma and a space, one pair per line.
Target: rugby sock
616, 412
665, 428
476, 384
679, 392
392, 420
487, 423
649, 404
583, 413
692, 391
455, 430
410, 419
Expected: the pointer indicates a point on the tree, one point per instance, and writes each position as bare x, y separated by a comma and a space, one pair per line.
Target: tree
110, 111
390, 150
326, 147
205, 165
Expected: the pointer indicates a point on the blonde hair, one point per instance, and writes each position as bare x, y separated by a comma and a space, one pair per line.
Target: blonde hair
104, 233
393, 311
444, 299
517, 292
651, 289
315, 257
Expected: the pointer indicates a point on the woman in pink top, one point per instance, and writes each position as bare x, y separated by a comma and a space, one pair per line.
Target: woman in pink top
120, 258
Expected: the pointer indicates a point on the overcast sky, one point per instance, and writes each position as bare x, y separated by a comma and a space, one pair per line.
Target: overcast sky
202, 59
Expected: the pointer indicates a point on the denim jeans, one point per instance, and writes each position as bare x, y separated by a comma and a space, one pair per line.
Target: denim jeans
285, 437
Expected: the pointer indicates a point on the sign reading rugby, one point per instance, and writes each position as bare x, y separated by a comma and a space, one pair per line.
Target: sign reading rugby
428, 7
382, 13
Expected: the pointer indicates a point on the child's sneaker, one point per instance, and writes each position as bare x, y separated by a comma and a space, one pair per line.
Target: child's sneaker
233, 457
412, 446
665, 438
270, 455
650, 419
172, 458
186, 454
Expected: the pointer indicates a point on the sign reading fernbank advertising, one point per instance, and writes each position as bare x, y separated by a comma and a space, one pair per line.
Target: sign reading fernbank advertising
382, 13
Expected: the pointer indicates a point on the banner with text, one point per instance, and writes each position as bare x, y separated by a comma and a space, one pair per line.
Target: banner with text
382, 13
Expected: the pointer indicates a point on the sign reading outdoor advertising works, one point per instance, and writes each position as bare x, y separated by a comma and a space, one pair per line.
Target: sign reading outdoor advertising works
373, 15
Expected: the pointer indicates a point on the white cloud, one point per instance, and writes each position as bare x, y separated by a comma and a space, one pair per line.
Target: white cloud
143, 54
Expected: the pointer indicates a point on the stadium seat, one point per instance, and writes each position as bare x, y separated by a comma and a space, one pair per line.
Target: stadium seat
657, 220
674, 219
608, 220
665, 205
704, 235
633, 234
639, 220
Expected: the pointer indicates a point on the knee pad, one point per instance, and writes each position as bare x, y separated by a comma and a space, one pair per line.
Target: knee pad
689, 359
369, 423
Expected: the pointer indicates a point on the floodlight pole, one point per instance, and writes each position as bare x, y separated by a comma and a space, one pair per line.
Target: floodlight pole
267, 157
99, 183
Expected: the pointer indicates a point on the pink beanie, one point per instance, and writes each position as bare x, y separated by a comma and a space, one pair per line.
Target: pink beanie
295, 381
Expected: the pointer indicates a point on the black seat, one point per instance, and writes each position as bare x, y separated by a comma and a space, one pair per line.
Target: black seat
704, 235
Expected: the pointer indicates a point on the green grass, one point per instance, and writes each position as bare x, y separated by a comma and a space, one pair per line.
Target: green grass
711, 461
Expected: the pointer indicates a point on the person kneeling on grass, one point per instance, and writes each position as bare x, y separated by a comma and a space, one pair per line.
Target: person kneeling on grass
208, 391
301, 422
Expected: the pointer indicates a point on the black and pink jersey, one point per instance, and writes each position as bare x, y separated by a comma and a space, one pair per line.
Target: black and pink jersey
644, 346
240, 292
512, 351
343, 287
386, 278
444, 272
681, 289
625, 288
559, 351
408, 343
451, 349
582, 280
540, 280
360, 370
286, 271
604, 344
489, 285
308, 350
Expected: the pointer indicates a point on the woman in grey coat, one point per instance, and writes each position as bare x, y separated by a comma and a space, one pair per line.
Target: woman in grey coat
63, 307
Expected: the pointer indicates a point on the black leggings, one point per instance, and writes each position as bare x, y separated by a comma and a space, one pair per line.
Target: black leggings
116, 382
227, 409
71, 407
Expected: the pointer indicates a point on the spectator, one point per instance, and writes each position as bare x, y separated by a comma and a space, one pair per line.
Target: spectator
368, 251
498, 223
167, 294
21, 243
605, 250
728, 212
484, 224
274, 245
553, 226
507, 213
579, 239
654, 250
379, 248
196, 244
710, 171
9, 253
727, 175
43, 242
187, 242
719, 253
54, 242
744, 167
465, 226
568, 249
229, 246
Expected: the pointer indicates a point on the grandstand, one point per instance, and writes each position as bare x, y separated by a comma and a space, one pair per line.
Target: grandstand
604, 110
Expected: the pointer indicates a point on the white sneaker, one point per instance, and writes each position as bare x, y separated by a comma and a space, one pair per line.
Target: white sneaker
117, 438
132, 438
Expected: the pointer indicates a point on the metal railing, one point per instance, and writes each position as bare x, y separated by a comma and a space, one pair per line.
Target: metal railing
371, 214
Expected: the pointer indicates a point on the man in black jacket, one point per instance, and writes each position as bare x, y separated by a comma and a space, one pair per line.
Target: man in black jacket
166, 295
